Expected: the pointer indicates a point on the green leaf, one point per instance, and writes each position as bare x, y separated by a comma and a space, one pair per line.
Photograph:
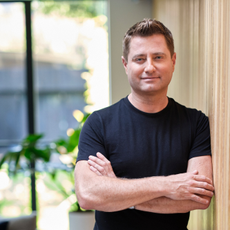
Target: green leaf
73, 140
3, 160
31, 140
42, 154
28, 153
85, 117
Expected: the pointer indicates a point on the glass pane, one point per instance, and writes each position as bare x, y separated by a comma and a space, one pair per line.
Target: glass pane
70, 53
70, 50
14, 193
12, 73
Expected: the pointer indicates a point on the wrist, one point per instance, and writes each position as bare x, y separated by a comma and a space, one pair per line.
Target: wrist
163, 185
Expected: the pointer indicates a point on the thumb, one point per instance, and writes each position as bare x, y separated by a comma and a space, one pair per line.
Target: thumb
195, 172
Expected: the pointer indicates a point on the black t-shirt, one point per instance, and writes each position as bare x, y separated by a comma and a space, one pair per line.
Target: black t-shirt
140, 144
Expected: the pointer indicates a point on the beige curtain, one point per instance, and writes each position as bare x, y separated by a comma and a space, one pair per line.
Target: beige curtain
201, 31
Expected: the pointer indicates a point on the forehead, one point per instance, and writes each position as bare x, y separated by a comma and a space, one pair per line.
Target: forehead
153, 43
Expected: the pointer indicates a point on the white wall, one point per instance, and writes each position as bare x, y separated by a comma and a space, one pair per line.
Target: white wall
122, 15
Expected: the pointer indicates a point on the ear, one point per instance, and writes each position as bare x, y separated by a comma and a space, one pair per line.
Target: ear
125, 63
174, 61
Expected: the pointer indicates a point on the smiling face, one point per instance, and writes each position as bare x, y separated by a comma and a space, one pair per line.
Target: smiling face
149, 66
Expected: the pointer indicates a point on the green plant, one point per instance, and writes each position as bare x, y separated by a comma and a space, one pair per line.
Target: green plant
68, 146
28, 151
81, 9
24, 159
68, 149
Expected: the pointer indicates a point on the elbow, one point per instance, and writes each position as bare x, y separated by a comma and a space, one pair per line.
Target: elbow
84, 186
84, 204
85, 200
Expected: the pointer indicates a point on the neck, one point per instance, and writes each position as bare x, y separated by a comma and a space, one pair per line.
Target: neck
149, 104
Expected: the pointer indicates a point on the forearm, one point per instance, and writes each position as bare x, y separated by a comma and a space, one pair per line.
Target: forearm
113, 194
166, 205
118, 194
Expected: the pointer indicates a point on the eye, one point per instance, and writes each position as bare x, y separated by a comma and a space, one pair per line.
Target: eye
158, 57
139, 59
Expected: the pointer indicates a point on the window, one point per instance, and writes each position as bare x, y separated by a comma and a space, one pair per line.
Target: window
12, 75
68, 72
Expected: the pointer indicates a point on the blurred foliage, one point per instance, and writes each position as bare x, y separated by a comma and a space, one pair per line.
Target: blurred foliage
16, 200
56, 178
29, 151
80, 9
72, 142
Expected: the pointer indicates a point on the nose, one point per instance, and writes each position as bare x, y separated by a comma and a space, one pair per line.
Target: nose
150, 67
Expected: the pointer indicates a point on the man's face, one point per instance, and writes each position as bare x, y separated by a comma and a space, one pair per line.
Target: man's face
149, 66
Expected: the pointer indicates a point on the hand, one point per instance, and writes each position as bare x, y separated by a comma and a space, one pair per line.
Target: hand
190, 186
101, 165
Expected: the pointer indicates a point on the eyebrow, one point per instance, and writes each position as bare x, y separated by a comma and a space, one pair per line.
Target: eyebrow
138, 55
155, 54
159, 53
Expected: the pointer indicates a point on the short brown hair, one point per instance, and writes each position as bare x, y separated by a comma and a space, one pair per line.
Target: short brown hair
145, 28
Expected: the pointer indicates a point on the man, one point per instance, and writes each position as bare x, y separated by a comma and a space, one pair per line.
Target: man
159, 150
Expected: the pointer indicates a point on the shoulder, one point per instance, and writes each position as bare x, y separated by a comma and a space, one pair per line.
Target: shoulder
105, 115
192, 113
107, 112
191, 118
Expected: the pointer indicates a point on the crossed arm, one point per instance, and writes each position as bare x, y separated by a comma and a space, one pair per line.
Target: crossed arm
98, 188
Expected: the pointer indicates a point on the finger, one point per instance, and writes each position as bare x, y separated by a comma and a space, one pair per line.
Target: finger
201, 191
204, 185
97, 160
207, 186
202, 178
199, 199
102, 157
96, 166
202, 188
105, 160
95, 170
108, 170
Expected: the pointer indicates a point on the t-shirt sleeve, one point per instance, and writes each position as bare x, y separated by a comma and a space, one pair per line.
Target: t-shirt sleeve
91, 138
201, 145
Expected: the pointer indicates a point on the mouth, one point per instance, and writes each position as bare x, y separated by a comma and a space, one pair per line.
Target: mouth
150, 78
